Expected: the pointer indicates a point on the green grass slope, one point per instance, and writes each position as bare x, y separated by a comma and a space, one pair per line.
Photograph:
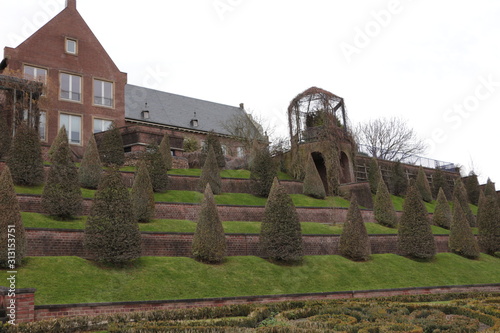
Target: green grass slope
62, 280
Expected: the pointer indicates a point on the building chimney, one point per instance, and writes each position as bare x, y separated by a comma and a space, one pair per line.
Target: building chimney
71, 4
242, 106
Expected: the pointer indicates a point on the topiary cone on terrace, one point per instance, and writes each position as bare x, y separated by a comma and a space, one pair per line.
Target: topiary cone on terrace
62, 196
142, 194
209, 240
210, 174
488, 222
90, 171
313, 185
374, 175
111, 233
383, 207
460, 194
415, 238
354, 242
462, 240
11, 223
442, 216
280, 236
423, 185
165, 151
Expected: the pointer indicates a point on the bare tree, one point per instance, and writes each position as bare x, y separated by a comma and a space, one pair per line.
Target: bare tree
247, 127
389, 139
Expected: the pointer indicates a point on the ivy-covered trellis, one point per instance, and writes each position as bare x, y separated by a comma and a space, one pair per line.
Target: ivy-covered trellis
319, 126
19, 101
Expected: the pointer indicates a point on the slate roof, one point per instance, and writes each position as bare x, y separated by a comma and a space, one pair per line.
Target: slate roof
176, 110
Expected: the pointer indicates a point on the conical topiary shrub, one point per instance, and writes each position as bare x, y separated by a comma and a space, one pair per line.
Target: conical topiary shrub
374, 175
313, 185
5, 137
142, 195
399, 180
423, 185
462, 240
111, 234
488, 222
210, 174
90, 170
262, 172
213, 141
25, 157
354, 242
415, 238
471, 185
157, 168
442, 214
165, 151
11, 224
280, 236
209, 241
111, 147
383, 207
490, 188
460, 194
439, 180
61, 196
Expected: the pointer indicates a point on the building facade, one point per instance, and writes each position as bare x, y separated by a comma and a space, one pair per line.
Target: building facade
86, 92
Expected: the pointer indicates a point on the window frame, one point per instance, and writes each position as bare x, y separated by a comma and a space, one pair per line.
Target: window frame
112, 106
67, 40
70, 91
44, 138
68, 130
101, 119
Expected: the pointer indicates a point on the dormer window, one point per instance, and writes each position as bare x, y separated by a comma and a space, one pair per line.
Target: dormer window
145, 112
194, 121
71, 46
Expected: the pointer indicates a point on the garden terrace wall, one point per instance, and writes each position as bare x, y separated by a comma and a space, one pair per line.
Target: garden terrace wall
229, 185
44, 312
57, 242
189, 211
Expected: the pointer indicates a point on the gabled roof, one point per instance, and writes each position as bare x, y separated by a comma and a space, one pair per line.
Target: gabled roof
178, 111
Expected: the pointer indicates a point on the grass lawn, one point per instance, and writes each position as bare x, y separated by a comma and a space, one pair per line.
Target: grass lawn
62, 280
34, 220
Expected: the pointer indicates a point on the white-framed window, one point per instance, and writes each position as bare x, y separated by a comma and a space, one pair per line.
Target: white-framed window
101, 125
71, 46
240, 152
224, 149
71, 87
103, 93
42, 126
73, 125
35, 73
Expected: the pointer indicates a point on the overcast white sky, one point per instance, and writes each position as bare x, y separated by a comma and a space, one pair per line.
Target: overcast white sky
433, 63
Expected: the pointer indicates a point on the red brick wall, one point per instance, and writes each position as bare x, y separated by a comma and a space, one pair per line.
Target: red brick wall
24, 310
94, 309
46, 49
54, 242
188, 211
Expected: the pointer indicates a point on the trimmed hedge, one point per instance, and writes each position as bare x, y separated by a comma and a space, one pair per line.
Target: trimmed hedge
354, 242
142, 195
415, 237
90, 171
210, 174
111, 234
313, 185
462, 240
209, 241
383, 208
442, 216
10, 216
280, 236
423, 185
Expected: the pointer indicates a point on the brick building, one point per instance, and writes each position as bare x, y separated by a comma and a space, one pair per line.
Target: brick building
85, 91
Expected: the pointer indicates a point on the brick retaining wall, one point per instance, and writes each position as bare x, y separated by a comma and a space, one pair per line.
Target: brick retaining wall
56, 242
42, 312
189, 211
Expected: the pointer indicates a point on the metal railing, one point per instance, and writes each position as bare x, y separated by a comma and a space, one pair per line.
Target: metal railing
413, 159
